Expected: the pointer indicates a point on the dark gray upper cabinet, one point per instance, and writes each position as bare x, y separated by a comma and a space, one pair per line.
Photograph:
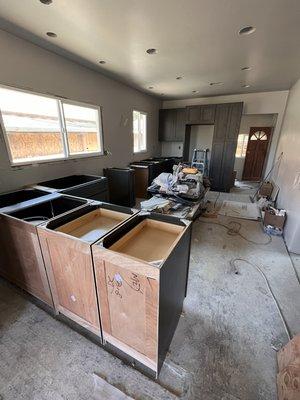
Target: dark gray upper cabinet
201, 114
193, 114
172, 124
226, 119
180, 124
167, 125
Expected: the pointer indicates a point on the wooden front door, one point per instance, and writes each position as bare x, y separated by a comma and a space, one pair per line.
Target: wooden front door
258, 143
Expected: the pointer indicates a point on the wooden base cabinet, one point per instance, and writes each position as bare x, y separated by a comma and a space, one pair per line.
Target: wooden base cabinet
66, 244
141, 273
21, 259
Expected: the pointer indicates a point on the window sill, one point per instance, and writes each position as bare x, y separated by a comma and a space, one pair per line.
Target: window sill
54, 160
141, 151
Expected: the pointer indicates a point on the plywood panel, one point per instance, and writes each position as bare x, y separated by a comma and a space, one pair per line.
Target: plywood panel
126, 293
21, 259
73, 277
128, 305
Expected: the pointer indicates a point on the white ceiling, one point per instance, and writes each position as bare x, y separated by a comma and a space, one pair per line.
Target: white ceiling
195, 39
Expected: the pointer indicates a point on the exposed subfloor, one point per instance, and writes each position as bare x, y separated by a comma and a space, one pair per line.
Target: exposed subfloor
224, 346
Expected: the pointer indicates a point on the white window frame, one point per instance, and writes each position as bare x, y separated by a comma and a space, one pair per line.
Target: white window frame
245, 135
146, 133
67, 155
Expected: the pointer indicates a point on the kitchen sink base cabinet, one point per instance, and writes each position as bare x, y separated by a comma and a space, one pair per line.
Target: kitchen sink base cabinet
141, 272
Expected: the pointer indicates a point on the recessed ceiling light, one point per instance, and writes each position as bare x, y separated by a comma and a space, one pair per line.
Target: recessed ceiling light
151, 87
245, 86
216, 83
102, 62
247, 30
151, 51
195, 91
46, 2
179, 77
51, 34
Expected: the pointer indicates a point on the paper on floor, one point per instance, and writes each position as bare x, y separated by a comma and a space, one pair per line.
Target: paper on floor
238, 209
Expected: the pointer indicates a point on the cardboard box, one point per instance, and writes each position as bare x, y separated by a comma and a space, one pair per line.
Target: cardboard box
274, 220
266, 189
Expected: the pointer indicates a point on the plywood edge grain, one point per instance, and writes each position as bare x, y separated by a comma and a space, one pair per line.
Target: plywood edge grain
101, 290
42, 235
80, 321
152, 310
130, 351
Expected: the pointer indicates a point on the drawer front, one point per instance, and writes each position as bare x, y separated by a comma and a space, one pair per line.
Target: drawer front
70, 270
129, 308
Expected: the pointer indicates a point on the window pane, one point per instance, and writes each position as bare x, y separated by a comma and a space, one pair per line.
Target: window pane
143, 132
32, 126
139, 131
82, 129
241, 145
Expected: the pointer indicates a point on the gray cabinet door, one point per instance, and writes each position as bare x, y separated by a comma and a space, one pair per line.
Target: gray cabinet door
227, 124
221, 121
228, 165
215, 169
208, 114
193, 115
180, 124
167, 121
233, 127
201, 114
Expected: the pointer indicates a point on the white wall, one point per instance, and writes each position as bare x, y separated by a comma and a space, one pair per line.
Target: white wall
254, 103
248, 121
289, 169
25, 65
201, 138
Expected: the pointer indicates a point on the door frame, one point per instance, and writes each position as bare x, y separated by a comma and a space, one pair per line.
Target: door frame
267, 152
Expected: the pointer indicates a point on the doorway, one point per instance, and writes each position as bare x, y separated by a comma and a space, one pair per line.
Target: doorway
258, 143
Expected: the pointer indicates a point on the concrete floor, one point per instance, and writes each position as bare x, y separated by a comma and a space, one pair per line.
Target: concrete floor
224, 346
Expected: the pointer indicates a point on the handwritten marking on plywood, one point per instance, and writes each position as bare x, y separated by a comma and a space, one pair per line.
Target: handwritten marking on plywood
126, 306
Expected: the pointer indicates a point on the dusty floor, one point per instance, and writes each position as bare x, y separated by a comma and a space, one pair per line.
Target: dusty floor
224, 347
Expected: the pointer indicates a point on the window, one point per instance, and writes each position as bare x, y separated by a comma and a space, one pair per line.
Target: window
242, 145
39, 128
139, 131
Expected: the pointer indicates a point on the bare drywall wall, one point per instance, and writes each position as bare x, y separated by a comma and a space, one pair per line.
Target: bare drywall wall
28, 66
288, 175
254, 103
248, 121
201, 138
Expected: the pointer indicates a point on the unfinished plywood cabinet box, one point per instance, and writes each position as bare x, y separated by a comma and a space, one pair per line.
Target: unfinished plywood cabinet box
141, 273
21, 260
66, 244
